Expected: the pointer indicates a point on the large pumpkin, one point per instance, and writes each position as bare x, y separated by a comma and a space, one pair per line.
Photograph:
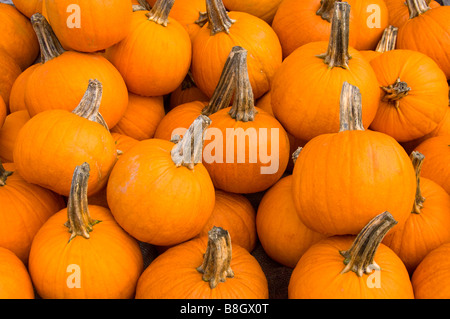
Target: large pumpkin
15, 282
82, 253
306, 89
342, 180
204, 268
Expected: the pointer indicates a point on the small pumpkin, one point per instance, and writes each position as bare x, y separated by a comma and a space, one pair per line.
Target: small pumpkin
186, 92
14, 277
80, 249
204, 268
8, 134
349, 267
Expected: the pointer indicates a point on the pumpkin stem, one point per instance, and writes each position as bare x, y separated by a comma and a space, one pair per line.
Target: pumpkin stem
326, 9
79, 220
217, 258
202, 19
160, 12
417, 160
359, 258
296, 154
388, 40
350, 109
218, 18
395, 92
142, 6
4, 175
49, 44
337, 54
417, 7
188, 151
243, 108
90, 103
224, 90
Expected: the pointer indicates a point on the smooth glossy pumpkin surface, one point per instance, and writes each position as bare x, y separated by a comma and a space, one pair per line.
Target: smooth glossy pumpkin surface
15, 282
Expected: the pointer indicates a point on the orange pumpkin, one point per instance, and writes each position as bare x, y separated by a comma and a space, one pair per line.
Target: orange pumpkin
223, 31
154, 36
428, 224
89, 26
342, 180
3, 112
28, 7
9, 72
173, 189
61, 140
387, 42
204, 268
262, 9
306, 91
59, 82
14, 278
186, 92
8, 134
25, 208
349, 267
17, 94
399, 13
82, 253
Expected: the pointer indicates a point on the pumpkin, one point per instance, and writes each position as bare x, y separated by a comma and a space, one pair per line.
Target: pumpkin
204, 268
300, 22
262, 9
28, 7
243, 139
89, 26
9, 72
223, 31
430, 279
82, 253
399, 13
428, 224
141, 117
387, 42
61, 140
18, 37
173, 188
235, 213
349, 267
8, 134
428, 31
186, 92
342, 180
3, 112
437, 152
135, 55
282, 234
14, 278
59, 82
24, 209
306, 89
17, 94
414, 94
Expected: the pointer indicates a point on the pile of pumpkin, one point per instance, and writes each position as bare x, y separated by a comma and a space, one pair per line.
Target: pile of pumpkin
105, 189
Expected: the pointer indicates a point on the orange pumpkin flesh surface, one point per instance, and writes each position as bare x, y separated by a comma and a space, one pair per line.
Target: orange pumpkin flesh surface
52, 143
82, 253
414, 94
15, 282
158, 196
342, 180
59, 82
8, 134
349, 267
99, 24
146, 70
223, 31
24, 209
204, 268
428, 224
306, 91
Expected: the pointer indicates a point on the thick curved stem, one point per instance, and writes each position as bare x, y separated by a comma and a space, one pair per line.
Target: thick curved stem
417, 161
49, 44
388, 40
350, 109
160, 12
217, 258
218, 18
326, 9
4, 175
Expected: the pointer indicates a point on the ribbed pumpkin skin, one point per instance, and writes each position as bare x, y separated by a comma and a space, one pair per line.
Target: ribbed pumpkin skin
423, 108
61, 140
305, 93
398, 11
8, 134
9, 72
15, 282
17, 95
25, 208
173, 275
425, 231
430, 279
135, 56
282, 234
209, 53
102, 23
262, 9
318, 274
155, 201
110, 261
341, 181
